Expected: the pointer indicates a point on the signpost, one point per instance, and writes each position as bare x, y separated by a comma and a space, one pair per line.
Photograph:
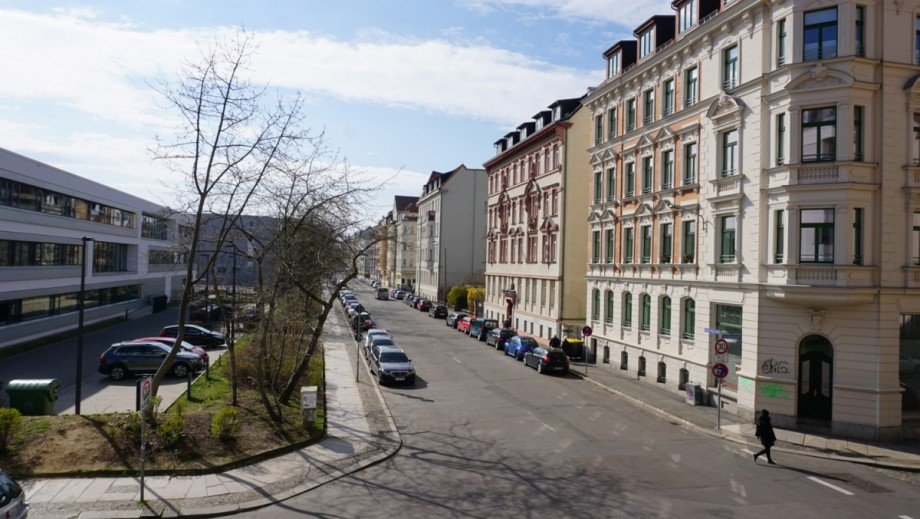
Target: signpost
586, 332
146, 384
720, 370
721, 346
308, 403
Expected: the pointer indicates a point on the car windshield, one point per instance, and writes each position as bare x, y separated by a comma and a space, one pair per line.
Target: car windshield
393, 356
9, 490
382, 342
489, 323
527, 341
507, 333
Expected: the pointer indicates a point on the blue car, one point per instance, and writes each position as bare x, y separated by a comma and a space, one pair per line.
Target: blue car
519, 345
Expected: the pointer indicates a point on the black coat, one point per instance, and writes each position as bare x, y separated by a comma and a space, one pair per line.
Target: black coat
765, 431
554, 342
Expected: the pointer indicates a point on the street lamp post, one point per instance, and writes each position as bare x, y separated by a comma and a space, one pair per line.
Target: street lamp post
233, 333
80, 305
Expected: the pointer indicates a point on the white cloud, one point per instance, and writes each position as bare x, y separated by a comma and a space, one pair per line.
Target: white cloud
629, 13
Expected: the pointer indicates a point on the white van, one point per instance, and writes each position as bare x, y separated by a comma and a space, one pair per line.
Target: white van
382, 294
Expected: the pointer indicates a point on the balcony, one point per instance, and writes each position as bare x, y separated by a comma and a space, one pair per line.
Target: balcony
649, 119
822, 275
824, 52
811, 173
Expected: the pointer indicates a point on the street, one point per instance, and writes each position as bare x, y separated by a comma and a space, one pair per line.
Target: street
485, 437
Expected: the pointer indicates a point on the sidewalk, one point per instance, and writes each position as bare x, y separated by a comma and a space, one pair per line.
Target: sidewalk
359, 432
672, 407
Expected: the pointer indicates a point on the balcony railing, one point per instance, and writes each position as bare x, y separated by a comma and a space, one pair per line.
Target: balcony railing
667, 110
631, 126
819, 157
648, 119
729, 84
689, 101
825, 52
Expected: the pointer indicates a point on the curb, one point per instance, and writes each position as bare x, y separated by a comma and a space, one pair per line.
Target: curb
744, 440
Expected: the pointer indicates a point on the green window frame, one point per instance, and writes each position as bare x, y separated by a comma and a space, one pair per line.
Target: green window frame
630, 179
628, 244
612, 122
631, 114
627, 310
646, 245
816, 235
598, 187
691, 86
779, 237
667, 169
819, 134
608, 256
608, 307
730, 68
596, 247
648, 174
664, 327
728, 232
730, 153
645, 324
688, 241
819, 34
668, 107
667, 243
690, 163
595, 305
611, 183
689, 320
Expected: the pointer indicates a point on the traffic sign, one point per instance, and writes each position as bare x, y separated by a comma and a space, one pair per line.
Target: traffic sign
720, 370
720, 359
587, 331
146, 392
721, 346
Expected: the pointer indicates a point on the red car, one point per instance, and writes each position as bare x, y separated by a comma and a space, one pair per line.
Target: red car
464, 325
424, 305
169, 341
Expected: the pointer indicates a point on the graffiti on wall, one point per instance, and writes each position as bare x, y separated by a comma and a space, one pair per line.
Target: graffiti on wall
746, 385
775, 391
774, 367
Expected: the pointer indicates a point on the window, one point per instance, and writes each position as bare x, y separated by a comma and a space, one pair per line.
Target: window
598, 129
30, 254
860, 36
857, 133
648, 107
153, 227
690, 164
667, 169
613, 64
780, 139
646, 46
689, 319
728, 229
916, 143
779, 237
730, 68
646, 244
667, 243
915, 240
820, 35
166, 257
596, 247
816, 236
631, 179
908, 360
689, 242
608, 247
687, 15
595, 305
611, 183
611, 123
729, 322
729, 153
631, 114
645, 322
598, 187
691, 85
819, 134
781, 43
858, 236
31, 198
110, 257
664, 316
648, 172
917, 41
628, 245
668, 107
627, 310
608, 307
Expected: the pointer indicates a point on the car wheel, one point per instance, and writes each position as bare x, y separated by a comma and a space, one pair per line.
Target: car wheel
380, 379
540, 367
118, 372
180, 370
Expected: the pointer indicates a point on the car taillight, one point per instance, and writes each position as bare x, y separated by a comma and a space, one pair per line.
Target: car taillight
546, 359
102, 358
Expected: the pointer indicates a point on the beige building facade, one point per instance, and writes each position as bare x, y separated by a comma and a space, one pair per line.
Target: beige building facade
756, 180
536, 238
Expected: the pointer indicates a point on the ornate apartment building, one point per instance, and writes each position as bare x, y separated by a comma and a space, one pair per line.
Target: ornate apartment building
400, 242
451, 230
535, 252
756, 179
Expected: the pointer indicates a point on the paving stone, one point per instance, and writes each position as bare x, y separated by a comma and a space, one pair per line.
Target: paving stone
95, 490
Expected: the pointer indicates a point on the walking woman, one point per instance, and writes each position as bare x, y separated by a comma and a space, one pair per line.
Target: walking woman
766, 435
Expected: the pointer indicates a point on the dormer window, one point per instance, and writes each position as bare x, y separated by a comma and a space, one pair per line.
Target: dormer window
687, 15
646, 43
613, 65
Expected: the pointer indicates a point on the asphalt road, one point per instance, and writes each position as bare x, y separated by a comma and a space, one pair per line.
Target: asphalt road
486, 437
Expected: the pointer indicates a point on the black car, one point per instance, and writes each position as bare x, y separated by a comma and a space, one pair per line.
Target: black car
454, 318
498, 336
487, 326
195, 335
437, 311
547, 360
126, 358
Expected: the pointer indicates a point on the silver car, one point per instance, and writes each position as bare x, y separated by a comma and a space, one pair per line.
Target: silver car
391, 364
12, 499
378, 340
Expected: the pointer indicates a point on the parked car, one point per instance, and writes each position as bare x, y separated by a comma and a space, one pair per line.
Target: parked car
464, 325
400, 294
127, 358
195, 335
186, 346
13, 503
382, 294
423, 305
546, 360
437, 311
475, 328
454, 318
498, 336
375, 331
391, 364
487, 326
519, 345
378, 340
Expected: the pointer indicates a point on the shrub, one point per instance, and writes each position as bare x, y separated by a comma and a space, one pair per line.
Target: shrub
475, 296
456, 297
173, 427
225, 424
131, 426
10, 422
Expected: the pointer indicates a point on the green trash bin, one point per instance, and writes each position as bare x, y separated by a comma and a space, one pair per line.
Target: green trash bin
33, 397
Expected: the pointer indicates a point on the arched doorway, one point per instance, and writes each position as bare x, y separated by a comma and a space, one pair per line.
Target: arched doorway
816, 377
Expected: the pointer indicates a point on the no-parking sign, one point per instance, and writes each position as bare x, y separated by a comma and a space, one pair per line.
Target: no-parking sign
720, 370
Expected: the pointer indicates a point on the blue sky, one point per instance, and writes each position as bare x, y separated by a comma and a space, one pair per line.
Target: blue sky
401, 88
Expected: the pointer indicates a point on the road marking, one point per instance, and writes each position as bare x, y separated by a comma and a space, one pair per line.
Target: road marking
828, 485
457, 361
905, 517
547, 426
748, 451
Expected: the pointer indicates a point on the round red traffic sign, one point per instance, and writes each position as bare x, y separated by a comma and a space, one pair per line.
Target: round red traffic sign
720, 370
587, 331
721, 346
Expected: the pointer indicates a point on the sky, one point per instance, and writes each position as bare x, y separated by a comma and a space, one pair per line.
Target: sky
400, 88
